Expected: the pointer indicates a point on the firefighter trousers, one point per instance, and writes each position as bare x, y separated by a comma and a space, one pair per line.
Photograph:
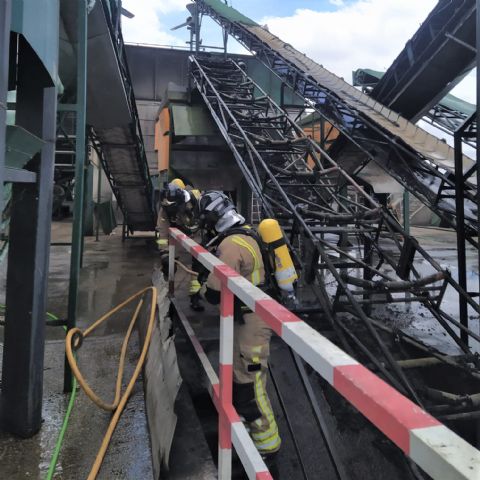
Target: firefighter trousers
250, 367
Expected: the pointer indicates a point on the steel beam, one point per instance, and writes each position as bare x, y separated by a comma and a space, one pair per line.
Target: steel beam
478, 127
19, 175
28, 258
5, 16
368, 139
270, 149
460, 230
80, 155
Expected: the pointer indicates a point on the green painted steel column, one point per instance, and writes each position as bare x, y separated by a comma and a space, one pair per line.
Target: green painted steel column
80, 155
5, 15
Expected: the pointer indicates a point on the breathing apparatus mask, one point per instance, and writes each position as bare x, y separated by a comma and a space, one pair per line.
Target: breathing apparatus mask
218, 212
173, 200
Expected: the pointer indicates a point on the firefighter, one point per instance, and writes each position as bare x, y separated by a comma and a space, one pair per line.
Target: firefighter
239, 246
179, 208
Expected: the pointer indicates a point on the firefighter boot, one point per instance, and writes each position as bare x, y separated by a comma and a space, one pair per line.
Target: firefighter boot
195, 302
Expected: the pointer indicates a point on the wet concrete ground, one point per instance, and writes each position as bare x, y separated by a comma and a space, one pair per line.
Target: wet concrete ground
415, 319
112, 272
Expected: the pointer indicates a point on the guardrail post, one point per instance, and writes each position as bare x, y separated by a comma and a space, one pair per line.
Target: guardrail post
226, 380
171, 266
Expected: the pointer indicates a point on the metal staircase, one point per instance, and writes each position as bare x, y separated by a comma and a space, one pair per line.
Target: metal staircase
351, 252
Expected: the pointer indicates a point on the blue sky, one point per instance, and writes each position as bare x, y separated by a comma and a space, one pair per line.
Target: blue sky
342, 35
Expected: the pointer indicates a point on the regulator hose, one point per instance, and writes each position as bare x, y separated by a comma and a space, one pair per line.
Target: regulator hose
74, 341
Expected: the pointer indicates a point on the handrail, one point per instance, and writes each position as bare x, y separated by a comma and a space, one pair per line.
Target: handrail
439, 451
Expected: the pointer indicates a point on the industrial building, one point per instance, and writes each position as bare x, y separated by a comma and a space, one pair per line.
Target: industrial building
106, 370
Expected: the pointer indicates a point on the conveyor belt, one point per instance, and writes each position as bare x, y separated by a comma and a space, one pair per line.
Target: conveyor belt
434, 60
419, 161
340, 236
113, 115
449, 114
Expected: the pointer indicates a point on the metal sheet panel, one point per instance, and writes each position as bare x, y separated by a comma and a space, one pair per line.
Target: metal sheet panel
107, 104
21, 146
38, 22
192, 120
148, 114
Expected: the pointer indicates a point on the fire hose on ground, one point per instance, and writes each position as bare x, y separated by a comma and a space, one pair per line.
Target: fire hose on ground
73, 342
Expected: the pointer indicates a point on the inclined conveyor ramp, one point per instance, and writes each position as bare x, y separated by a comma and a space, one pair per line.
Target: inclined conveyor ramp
418, 160
449, 114
112, 113
433, 61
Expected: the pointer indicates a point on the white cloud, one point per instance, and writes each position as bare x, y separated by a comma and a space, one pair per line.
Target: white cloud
146, 26
466, 89
168, 6
362, 34
365, 34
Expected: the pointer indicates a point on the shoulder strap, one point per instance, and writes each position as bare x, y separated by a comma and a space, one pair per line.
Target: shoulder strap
267, 254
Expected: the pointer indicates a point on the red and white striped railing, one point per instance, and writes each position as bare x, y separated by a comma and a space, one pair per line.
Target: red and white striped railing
437, 450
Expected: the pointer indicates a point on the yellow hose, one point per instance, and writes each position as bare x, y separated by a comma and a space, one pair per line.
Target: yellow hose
73, 342
181, 265
184, 267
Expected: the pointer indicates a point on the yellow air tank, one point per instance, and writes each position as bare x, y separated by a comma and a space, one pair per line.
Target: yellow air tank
196, 193
178, 182
285, 273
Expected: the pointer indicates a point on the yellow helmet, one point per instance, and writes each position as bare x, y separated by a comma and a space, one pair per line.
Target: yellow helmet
178, 182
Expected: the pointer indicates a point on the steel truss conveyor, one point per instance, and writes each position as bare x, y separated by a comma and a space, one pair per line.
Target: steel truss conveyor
116, 132
434, 60
448, 115
420, 162
352, 254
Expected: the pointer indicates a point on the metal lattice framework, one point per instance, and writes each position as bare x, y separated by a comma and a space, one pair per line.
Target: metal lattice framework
447, 115
352, 253
363, 140
449, 121
121, 149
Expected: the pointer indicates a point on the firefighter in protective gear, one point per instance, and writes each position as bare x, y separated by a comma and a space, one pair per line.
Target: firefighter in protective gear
179, 208
237, 246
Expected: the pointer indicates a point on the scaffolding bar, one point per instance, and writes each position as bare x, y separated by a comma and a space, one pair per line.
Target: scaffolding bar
80, 153
478, 128
5, 15
460, 231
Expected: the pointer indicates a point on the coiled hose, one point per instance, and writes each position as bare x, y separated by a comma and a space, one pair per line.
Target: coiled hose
74, 341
